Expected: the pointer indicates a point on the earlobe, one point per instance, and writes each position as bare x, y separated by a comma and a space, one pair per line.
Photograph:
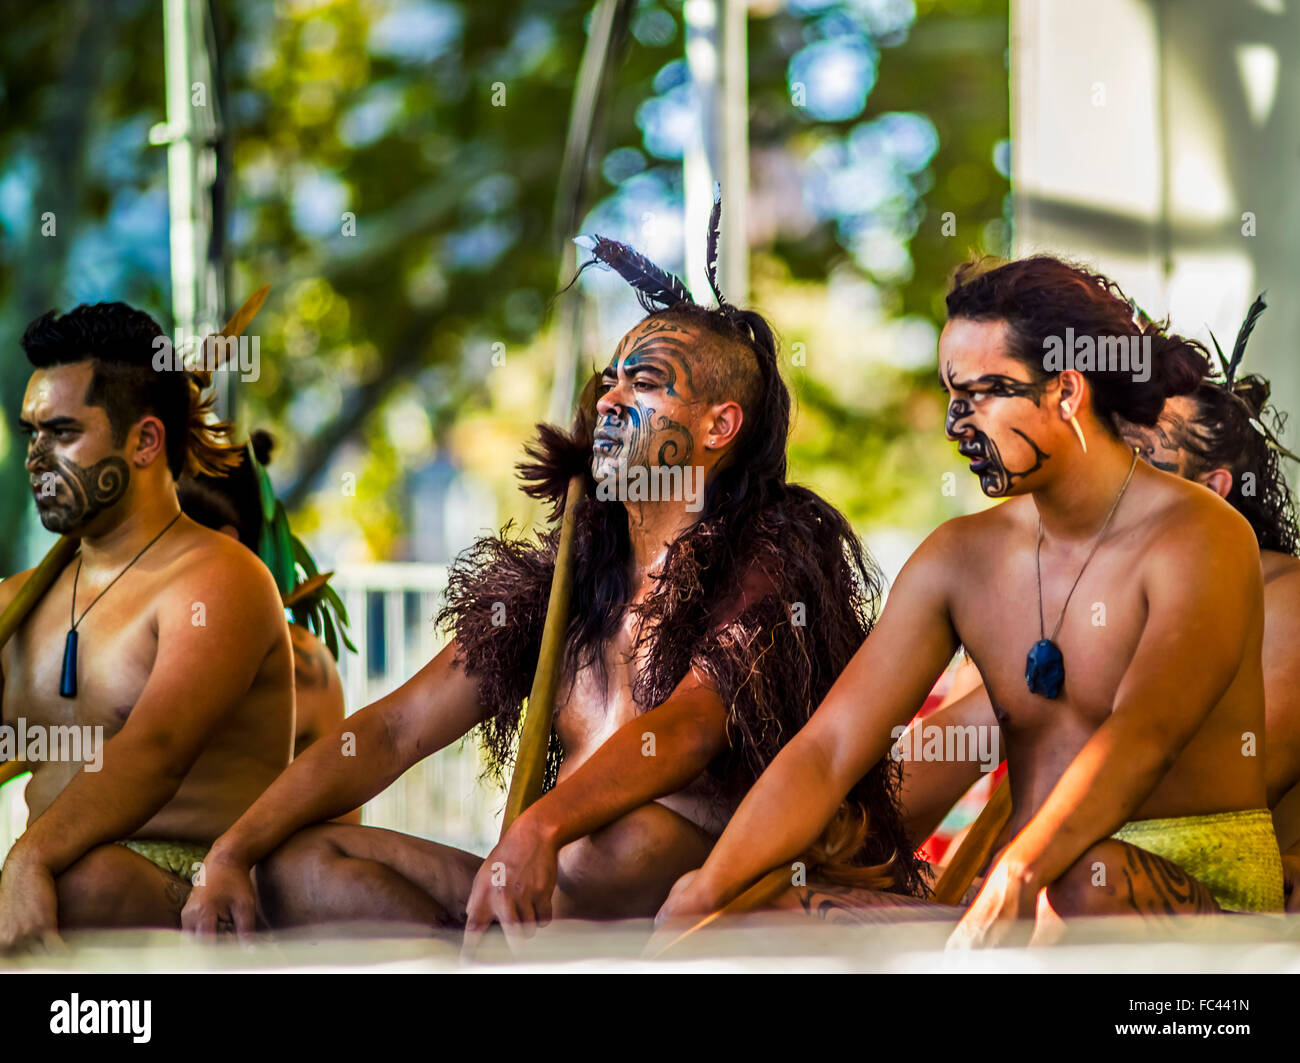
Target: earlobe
1219, 481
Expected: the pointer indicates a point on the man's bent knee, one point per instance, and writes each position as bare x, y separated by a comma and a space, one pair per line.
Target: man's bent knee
108, 884
1115, 878
286, 872
626, 869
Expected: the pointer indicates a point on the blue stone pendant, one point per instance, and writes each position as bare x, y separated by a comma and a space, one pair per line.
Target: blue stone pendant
68, 681
1045, 669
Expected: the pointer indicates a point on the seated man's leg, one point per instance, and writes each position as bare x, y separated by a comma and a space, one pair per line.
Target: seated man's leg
625, 869
111, 886
1115, 878
336, 872
854, 905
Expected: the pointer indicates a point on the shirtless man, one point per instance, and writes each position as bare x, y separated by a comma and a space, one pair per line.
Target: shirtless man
232, 504
1155, 734
1206, 437
184, 662
705, 626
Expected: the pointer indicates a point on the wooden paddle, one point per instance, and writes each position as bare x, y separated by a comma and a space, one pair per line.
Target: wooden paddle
54, 562
971, 855
759, 895
535, 738
976, 848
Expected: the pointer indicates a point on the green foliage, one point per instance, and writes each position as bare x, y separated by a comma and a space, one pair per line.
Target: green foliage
333, 107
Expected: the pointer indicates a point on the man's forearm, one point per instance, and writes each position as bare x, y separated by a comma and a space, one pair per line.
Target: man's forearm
650, 757
96, 808
336, 774
1103, 786
783, 814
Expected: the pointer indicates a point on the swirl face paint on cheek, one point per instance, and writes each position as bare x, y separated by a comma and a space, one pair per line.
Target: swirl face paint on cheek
71, 495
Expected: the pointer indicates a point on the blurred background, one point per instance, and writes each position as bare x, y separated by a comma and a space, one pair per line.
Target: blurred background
408, 175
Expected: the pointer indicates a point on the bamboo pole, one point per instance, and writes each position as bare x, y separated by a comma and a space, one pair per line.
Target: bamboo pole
974, 851
535, 739
37, 584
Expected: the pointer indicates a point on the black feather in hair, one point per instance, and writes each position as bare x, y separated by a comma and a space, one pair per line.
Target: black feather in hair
711, 251
1242, 390
1231, 365
656, 286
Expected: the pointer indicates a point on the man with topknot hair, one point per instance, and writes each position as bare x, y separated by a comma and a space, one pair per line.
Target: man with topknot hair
713, 604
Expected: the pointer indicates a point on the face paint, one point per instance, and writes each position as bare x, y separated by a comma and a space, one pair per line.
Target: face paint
1160, 445
646, 434
68, 495
996, 477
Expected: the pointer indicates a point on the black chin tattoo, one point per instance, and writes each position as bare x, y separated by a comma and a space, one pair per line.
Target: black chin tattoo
80, 494
996, 479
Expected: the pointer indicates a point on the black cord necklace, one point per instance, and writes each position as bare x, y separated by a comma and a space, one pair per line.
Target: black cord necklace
68, 679
1045, 666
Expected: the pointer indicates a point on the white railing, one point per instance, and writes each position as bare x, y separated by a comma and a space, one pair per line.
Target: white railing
440, 798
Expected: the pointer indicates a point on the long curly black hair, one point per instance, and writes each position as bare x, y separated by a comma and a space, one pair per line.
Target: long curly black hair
769, 593
1221, 436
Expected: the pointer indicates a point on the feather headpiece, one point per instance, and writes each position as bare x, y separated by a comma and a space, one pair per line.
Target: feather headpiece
1251, 391
657, 289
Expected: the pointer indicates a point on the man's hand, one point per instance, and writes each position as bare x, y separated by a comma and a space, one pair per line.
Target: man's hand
686, 904
514, 885
685, 900
1008, 896
29, 910
224, 902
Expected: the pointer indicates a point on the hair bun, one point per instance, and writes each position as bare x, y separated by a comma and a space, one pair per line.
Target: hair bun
263, 444
1254, 391
1179, 364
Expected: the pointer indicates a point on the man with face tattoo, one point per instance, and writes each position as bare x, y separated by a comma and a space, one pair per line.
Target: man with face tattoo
713, 603
1127, 693
163, 642
1209, 437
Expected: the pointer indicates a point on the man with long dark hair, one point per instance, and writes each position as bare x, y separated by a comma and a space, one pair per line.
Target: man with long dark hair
1220, 437
1125, 706
713, 604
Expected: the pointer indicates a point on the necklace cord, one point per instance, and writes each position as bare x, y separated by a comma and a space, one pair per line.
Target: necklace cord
73, 619
1038, 549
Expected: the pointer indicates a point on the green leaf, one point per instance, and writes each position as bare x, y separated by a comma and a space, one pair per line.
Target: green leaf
331, 639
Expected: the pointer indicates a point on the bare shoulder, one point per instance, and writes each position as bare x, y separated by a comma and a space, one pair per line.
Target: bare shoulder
215, 564
1281, 574
1191, 538
1281, 598
1186, 517
962, 538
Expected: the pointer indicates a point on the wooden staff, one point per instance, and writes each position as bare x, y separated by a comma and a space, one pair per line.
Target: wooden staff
976, 848
37, 584
535, 739
759, 895
971, 855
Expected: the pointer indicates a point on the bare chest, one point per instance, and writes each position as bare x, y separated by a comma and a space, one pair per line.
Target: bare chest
998, 620
601, 699
116, 647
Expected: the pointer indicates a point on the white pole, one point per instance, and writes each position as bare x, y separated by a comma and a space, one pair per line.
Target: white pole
190, 134
717, 58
